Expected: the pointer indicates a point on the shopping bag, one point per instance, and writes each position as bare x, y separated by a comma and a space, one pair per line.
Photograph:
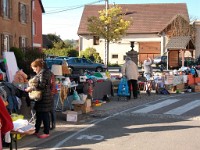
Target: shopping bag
123, 89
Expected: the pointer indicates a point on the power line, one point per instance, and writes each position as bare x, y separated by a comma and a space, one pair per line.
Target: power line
73, 7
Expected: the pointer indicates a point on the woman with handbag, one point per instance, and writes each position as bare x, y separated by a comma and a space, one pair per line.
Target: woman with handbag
44, 104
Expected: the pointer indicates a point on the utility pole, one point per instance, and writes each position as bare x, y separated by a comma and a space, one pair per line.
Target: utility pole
106, 40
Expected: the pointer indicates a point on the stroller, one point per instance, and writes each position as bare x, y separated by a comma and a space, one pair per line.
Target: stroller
123, 89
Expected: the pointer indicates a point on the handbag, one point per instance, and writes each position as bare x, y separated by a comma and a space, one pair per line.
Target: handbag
35, 95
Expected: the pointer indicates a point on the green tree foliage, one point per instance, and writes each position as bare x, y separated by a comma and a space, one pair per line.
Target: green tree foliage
110, 25
59, 45
61, 52
89, 52
25, 57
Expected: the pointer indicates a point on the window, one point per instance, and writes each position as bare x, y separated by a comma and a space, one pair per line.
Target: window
23, 42
95, 40
124, 57
115, 56
23, 13
6, 8
6, 43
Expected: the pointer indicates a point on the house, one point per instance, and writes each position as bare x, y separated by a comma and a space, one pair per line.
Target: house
153, 26
15, 24
38, 9
20, 25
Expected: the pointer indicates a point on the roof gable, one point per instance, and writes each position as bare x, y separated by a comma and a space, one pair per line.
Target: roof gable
180, 42
147, 18
42, 8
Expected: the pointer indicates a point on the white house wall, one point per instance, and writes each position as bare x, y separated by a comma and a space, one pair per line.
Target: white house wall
119, 48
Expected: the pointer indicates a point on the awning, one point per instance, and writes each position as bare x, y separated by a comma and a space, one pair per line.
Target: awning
180, 43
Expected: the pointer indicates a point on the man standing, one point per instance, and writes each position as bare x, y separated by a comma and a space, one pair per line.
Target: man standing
130, 70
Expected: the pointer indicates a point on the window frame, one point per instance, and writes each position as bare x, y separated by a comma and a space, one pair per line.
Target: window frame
6, 9
96, 40
115, 55
23, 13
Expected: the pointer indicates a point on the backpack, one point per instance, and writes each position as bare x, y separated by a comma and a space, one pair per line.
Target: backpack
53, 85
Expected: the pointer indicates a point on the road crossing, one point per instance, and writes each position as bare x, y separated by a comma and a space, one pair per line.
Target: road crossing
171, 106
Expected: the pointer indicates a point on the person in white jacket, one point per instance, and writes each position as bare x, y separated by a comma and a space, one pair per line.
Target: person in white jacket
147, 68
130, 70
148, 71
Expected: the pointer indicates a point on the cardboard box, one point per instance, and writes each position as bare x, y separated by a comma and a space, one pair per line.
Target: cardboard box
84, 108
197, 88
71, 116
180, 86
88, 103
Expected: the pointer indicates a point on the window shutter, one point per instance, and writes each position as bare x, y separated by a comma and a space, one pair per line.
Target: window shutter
10, 9
27, 42
11, 41
20, 42
2, 44
27, 14
1, 8
20, 16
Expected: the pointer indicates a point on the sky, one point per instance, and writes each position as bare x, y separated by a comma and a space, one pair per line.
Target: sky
62, 17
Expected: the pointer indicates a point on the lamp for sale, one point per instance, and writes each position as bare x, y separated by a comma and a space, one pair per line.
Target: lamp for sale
57, 71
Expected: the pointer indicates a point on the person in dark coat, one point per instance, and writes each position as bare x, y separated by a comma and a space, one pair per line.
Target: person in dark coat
45, 105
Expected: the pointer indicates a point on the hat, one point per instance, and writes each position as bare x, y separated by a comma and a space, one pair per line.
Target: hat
128, 58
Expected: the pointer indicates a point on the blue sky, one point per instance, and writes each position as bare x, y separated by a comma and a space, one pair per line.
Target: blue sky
62, 17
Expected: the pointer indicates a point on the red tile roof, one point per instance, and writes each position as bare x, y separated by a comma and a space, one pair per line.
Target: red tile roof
147, 18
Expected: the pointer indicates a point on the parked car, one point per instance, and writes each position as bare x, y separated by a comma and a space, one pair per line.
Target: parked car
76, 63
61, 57
53, 61
160, 60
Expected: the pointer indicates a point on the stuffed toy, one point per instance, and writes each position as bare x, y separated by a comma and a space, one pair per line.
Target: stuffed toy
20, 77
35, 94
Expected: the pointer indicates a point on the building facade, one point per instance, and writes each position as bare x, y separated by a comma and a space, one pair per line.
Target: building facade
15, 24
38, 9
148, 32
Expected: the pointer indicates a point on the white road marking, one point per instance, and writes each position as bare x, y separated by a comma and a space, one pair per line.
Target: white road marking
91, 137
182, 109
101, 120
156, 106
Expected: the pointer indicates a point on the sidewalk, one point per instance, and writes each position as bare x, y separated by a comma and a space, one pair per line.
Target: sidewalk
112, 107
106, 109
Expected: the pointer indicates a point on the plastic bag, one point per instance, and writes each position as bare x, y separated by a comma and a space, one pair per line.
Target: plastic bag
123, 89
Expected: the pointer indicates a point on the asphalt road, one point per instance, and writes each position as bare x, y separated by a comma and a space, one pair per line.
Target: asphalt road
165, 123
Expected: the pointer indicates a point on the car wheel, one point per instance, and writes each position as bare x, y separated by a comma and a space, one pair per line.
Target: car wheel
99, 69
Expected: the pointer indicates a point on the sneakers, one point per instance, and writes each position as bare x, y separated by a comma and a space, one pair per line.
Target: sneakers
43, 136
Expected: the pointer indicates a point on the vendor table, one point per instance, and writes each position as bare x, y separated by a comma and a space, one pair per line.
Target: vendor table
14, 137
100, 89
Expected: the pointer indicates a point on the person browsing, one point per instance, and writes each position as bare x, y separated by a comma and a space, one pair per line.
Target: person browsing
130, 70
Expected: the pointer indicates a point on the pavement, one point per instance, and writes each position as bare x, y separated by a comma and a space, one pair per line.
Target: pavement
114, 106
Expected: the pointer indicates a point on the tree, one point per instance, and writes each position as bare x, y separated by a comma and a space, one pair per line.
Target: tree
87, 53
110, 25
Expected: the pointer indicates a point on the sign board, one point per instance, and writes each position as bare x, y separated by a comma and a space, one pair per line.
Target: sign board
11, 65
